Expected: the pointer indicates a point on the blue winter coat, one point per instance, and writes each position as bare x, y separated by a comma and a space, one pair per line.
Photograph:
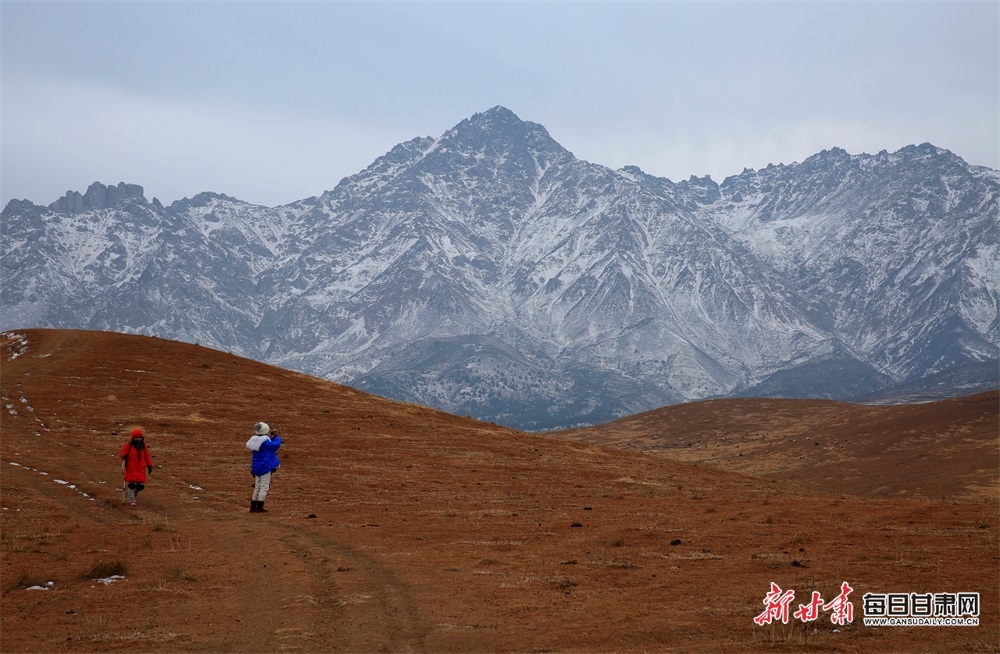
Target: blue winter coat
265, 459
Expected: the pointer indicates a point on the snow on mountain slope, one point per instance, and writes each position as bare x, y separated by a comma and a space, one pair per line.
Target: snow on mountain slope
490, 272
892, 251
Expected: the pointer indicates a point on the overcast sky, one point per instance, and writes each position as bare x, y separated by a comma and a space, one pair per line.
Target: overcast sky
276, 102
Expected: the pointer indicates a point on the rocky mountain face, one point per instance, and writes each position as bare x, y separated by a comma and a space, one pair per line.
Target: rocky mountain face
490, 272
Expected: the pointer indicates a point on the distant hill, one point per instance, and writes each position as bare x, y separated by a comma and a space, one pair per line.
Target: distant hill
940, 450
964, 380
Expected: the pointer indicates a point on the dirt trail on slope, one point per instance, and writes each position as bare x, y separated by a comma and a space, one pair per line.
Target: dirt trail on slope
268, 585
271, 586
393, 527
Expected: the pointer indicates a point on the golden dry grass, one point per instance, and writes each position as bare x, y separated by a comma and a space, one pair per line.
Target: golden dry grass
394, 527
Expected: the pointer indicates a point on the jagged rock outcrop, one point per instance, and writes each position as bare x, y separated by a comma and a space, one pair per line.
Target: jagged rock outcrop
98, 196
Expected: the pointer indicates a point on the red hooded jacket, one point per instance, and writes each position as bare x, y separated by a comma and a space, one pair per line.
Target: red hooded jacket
136, 462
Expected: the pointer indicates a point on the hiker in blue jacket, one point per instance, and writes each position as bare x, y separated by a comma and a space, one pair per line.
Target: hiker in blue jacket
264, 444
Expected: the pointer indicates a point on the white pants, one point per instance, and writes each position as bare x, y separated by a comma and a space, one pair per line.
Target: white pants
261, 484
133, 489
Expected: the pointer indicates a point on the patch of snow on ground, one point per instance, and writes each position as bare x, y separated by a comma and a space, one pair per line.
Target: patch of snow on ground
48, 585
19, 346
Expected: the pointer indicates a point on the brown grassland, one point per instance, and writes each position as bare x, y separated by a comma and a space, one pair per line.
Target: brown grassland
395, 527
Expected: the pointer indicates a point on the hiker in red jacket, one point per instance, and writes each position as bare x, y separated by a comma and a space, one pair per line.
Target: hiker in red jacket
136, 464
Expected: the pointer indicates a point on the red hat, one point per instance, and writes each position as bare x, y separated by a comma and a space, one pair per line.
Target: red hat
137, 433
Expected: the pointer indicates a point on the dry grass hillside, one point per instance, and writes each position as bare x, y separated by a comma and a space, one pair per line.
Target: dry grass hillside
393, 527
943, 450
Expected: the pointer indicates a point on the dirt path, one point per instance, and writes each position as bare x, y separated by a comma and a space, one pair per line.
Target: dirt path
368, 596
283, 586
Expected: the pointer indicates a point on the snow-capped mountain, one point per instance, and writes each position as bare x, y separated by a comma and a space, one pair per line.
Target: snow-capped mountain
490, 272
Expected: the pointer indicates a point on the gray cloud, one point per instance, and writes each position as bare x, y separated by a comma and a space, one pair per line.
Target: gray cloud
275, 102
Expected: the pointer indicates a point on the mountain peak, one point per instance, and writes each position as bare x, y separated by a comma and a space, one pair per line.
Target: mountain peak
503, 130
495, 116
928, 151
98, 196
202, 199
496, 120
826, 158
